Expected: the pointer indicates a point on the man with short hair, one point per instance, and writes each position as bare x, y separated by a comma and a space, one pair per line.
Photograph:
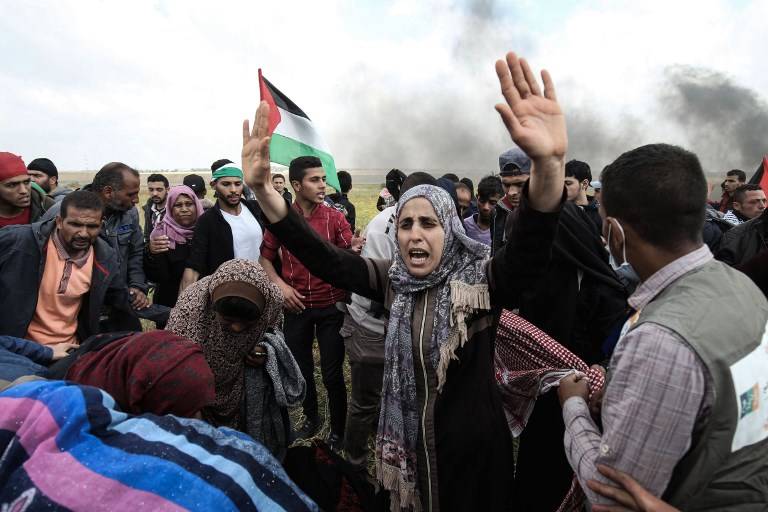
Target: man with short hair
310, 304
46, 175
233, 228
578, 177
154, 209
19, 202
680, 411
197, 184
733, 180
341, 198
748, 202
117, 184
278, 181
57, 274
514, 170
489, 193
464, 198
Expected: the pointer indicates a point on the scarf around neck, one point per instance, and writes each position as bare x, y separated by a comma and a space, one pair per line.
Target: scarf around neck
167, 226
461, 288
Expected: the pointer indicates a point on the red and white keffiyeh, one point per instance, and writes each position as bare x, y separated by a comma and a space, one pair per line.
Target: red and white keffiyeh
529, 363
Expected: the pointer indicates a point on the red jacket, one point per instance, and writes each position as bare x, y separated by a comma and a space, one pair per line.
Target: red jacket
331, 225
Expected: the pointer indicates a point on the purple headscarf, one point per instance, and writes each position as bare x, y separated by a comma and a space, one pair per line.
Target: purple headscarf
176, 233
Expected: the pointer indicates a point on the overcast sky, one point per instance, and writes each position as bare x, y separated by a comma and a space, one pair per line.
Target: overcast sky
166, 84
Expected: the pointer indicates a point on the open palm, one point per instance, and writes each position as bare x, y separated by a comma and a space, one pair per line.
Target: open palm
255, 154
534, 120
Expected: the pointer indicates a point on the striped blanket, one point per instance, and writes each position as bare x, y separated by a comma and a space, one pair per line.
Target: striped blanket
66, 447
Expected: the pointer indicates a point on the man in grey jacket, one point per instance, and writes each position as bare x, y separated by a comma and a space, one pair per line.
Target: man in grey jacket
24, 251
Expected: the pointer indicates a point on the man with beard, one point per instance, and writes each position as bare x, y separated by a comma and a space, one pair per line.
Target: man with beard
310, 303
19, 202
46, 175
117, 185
57, 274
489, 193
232, 228
154, 210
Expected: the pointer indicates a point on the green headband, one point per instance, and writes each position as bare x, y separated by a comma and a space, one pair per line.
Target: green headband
228, 171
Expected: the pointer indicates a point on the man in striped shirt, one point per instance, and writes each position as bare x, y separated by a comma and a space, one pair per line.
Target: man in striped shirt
310, 304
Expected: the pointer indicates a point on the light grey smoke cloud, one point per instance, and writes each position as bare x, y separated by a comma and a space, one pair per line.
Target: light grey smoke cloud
726, 124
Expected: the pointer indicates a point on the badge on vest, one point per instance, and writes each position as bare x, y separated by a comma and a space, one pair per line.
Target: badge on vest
750, 381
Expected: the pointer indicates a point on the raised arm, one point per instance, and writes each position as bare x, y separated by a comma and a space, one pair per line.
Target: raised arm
256, 169
537, 125
339, 267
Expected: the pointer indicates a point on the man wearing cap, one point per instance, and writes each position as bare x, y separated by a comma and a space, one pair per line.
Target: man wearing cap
197, 184
44, 173
232, 228
514, 169
19, 202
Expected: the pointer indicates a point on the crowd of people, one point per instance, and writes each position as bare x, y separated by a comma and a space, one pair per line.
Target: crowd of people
615, 324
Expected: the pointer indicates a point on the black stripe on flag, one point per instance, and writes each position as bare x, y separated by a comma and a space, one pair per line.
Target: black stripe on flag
282, 101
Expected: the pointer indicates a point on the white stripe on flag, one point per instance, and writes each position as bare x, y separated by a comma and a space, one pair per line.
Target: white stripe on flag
300, 129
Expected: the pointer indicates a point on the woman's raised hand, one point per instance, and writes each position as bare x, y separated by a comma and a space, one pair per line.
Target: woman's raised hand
537, 125
256, 168
534, 120
255, 154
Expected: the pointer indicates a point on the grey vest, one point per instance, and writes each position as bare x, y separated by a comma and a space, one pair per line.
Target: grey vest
722, 316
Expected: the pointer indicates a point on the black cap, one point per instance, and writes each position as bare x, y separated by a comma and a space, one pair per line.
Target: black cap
43, 165
195, 182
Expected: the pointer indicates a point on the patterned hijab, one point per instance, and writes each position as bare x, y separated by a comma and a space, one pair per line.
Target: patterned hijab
176, 233
194, 318
461, 288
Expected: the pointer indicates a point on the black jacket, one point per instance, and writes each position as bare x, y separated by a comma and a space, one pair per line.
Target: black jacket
742, 243
22, 261
165, 270
343, 200
212, 242
580, 300
148, 227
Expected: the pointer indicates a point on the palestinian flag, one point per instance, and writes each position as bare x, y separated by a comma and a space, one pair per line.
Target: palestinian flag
292, 132
761, 175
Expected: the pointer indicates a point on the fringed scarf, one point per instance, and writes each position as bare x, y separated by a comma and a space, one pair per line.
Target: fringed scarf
193, 317
461, 288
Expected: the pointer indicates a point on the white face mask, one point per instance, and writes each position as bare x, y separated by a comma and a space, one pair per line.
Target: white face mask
625, 269
611, 259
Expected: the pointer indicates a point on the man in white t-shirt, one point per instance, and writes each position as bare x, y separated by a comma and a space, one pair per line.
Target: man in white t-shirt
232, 228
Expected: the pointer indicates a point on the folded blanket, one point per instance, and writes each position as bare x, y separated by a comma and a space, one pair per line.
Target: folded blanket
67, 447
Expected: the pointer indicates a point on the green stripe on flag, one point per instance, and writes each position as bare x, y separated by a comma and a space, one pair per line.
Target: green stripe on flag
283, 149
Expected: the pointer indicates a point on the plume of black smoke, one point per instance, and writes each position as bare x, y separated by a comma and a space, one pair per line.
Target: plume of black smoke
726, 124
448, 124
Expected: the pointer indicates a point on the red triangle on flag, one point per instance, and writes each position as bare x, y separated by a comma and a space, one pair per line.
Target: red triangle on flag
764, 177
266, 95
